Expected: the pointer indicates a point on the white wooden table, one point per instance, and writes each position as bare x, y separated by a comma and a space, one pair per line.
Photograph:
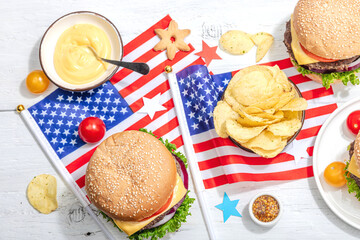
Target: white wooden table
23, 22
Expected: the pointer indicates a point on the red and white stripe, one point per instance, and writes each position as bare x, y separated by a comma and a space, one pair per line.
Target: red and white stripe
220, 161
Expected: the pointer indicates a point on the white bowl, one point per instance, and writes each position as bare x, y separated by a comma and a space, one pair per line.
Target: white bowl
52, 34
257, 221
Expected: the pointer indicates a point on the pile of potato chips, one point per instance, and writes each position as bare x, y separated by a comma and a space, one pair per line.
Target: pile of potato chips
238, 42
261, 110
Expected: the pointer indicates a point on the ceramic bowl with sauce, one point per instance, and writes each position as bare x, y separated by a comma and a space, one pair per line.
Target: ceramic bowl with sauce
265, 209
54, 32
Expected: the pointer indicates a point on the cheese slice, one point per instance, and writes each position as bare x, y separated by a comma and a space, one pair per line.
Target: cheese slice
353, 168
301, 57
131, 227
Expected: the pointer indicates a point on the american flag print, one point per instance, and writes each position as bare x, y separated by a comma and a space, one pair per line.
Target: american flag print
220, 160
60, 114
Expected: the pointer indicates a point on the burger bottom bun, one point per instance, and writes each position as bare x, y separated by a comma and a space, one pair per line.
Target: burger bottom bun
315, 77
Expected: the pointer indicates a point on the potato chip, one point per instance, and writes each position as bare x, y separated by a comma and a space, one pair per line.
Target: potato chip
263, 41
253, 110
252, 87
285, 99
265, 140
268, 104
222, 112
296, 104
242, 134
259, 37
289, 115
263, 48
41, 193
285, 128
236, 42
247, 122
268, 116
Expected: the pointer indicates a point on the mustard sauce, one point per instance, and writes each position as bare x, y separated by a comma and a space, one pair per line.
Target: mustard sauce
74, 62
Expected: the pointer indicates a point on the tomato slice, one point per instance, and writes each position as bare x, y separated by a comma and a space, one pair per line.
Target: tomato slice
165, 206
321, 59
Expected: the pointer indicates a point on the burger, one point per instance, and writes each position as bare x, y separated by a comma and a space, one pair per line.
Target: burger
352, 169
323, 40
139, 183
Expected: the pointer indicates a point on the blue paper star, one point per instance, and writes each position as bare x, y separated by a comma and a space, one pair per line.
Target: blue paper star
228, 207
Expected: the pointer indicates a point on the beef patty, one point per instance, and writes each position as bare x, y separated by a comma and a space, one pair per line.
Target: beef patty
324, 67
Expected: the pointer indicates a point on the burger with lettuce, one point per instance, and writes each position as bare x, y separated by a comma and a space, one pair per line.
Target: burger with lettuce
322, 39
139, 183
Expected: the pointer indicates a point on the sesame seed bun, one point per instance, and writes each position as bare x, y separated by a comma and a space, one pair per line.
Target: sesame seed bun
130, 176
329, 28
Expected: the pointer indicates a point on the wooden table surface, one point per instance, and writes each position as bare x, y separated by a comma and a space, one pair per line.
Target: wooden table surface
22, 24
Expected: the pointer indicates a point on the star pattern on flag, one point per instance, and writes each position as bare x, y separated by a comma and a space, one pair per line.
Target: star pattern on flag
228, 207
151, 106
60, 114
208, 53
200, 93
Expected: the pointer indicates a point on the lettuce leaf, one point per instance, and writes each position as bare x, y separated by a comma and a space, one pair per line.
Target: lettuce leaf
180, 215
351, 183
329, 78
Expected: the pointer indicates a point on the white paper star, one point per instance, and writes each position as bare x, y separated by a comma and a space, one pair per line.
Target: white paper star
151, 106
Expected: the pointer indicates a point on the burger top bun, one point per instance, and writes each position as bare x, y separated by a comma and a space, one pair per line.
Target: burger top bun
130, 176
329, 28
357, 149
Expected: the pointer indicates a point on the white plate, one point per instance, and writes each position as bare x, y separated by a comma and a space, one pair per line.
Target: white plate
331, 145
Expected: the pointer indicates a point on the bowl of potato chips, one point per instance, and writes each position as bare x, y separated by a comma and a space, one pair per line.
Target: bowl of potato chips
261, 110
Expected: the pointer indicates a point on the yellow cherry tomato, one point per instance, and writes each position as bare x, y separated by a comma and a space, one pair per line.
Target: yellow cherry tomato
334, 174
37, 82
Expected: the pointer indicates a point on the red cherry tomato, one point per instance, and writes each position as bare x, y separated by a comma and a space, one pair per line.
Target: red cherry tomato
321, 59
92, 129
353, 122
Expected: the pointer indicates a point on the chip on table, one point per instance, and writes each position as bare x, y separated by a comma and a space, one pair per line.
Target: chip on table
41, 193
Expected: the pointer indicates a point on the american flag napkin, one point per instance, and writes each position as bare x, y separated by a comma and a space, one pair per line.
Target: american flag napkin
220, 160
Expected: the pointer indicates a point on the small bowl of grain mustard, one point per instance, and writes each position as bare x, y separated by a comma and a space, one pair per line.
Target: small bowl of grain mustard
65, 54
265, 209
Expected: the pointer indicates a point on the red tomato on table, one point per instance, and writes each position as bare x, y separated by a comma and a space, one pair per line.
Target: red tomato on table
353, 122
92, 129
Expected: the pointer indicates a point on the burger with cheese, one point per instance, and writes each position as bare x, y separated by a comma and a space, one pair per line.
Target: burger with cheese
352, 173
139, 183
323, 40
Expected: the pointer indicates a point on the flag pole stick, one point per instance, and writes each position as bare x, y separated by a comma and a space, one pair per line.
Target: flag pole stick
189, 150
59, 167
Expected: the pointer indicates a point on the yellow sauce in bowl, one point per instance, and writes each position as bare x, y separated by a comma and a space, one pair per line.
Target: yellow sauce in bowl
74, 62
